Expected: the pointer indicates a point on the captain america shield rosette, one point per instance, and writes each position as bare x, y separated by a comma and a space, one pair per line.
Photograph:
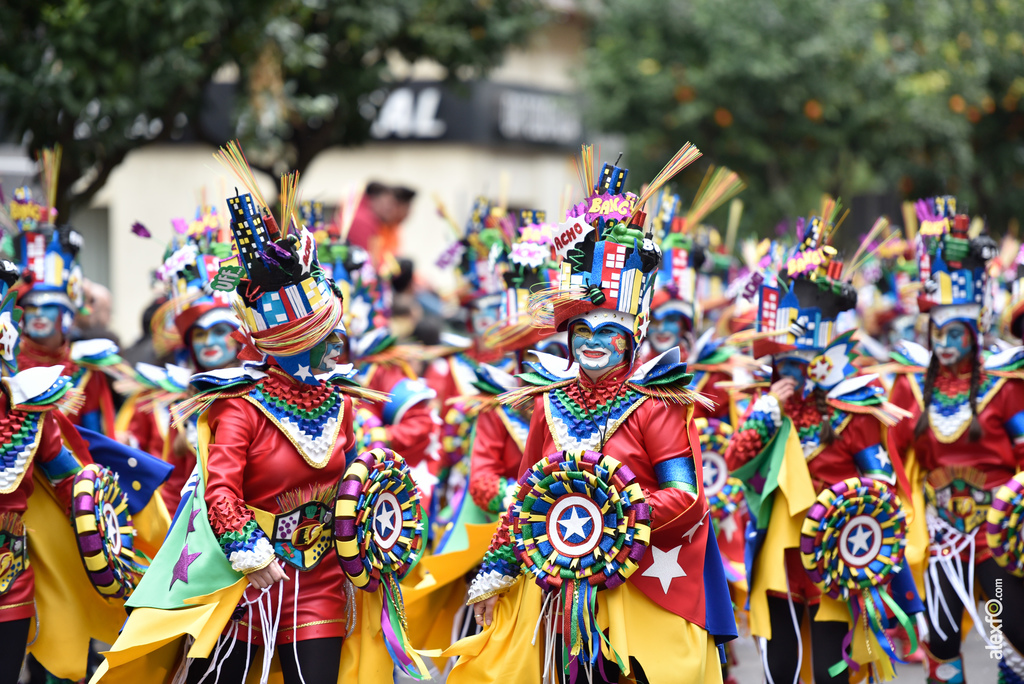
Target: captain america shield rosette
580, 517
378, 522
1005, 525
853, 536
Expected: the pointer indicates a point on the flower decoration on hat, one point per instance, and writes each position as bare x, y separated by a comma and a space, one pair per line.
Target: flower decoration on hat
191, 265
609, 262
952, 265
287, 305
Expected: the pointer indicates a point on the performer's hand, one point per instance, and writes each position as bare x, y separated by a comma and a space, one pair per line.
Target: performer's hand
266, 577
783, 389
483, 612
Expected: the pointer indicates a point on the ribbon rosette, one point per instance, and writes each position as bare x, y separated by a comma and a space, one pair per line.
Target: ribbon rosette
378, 533
852, 540
1005, 525
104, 531
580, 523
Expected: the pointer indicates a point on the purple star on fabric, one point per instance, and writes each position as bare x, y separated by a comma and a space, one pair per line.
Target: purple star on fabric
757, 481
192, 522
180, 571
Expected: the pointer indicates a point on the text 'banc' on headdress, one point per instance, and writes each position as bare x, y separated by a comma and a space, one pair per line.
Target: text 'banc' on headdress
609, 263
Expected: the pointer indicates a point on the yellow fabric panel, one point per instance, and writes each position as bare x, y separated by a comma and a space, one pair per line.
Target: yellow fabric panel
68, 607
364, 658
670, 649
917, 532
502, 652
152, 524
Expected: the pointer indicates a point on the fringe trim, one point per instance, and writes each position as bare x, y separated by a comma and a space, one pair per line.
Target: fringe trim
182, 411
518, 398
887, 413
674, 395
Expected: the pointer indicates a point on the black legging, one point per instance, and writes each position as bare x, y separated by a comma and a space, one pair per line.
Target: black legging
14, 637
319, 659
988, 573
826, 645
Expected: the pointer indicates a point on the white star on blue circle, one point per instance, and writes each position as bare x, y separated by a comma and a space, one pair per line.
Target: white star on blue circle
384, 522
859, 542
574, 524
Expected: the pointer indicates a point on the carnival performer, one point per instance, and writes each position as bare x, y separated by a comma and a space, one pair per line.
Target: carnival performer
606, 406
819, 425
967, 433
201, 321
244, 566
676, 313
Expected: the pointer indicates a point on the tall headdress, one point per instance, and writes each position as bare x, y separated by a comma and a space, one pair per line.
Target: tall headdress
286, 303
683, 257
952, 266
800, 316
191, 263
47, 254
529, 266
609, 264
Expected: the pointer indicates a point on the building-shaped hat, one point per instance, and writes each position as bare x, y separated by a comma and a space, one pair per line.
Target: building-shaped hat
286, 303
9, 316
803, 312
609, 263
951, 264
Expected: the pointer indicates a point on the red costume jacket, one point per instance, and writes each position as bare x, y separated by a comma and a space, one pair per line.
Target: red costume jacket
93, 384
253, 463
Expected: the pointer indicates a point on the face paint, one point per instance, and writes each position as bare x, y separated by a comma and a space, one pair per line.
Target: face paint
326, 355
792, 368
213, 346
599, 350
41, 321
951, 343
666, 333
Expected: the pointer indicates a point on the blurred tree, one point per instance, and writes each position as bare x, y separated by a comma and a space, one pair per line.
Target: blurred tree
103, 77
809, 96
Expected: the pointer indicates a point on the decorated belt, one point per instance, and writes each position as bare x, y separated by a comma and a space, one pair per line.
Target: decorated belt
959, 497
302, 536
13, 550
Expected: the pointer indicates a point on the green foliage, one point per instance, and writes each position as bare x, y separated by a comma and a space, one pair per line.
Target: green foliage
102, 77
803, 97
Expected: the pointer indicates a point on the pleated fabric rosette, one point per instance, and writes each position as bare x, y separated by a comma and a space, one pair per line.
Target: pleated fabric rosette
580, 523
852, 541
1005, 525
105, 534
379, 537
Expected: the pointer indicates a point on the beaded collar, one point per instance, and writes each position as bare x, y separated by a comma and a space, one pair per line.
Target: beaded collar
807, 419
310, 416
584, 414
949, 413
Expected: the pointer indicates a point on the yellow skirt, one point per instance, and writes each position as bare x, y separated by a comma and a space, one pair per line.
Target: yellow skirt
670, 649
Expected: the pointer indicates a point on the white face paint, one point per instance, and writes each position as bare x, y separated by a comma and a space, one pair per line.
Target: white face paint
598, 351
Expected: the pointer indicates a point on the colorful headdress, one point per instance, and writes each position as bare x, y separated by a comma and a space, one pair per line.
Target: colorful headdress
191, 263
609, 264
683, 256
952, 265
529, 266
366, 293
287, 304
802, 315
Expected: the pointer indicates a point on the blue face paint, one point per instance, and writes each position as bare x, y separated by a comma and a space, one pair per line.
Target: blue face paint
666, 333
951, 343
213, 346
41, 322
600, 350
792, 368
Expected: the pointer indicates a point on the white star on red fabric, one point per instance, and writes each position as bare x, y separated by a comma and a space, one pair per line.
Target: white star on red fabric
665, 566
